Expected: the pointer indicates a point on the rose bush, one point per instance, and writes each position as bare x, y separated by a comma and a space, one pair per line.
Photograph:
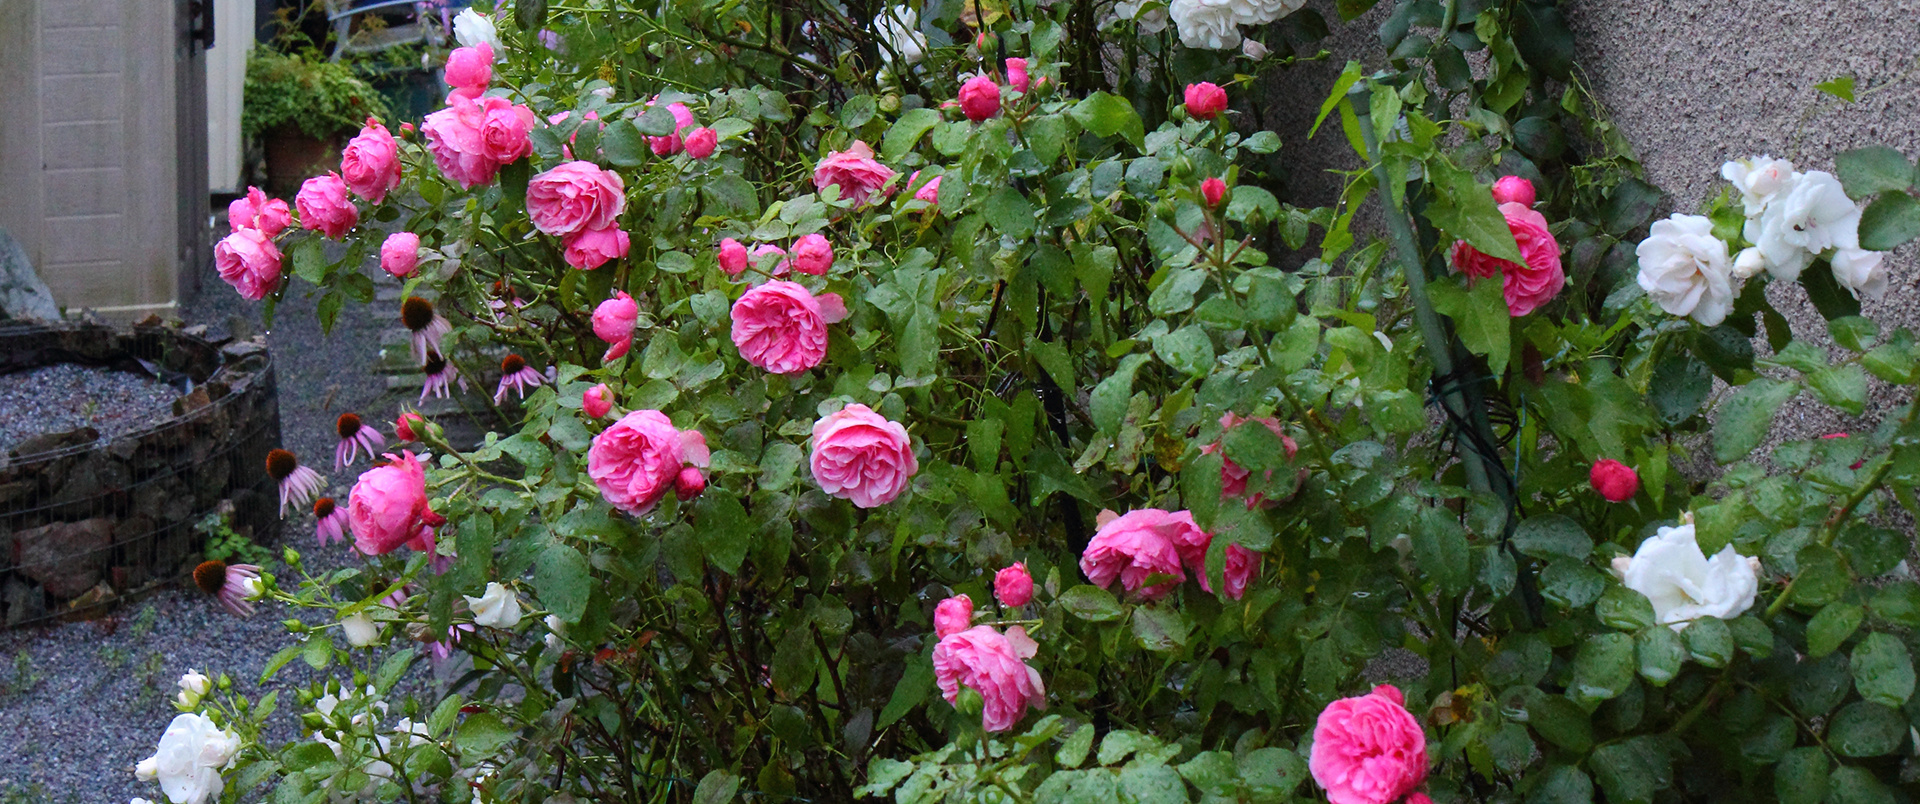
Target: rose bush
910, 327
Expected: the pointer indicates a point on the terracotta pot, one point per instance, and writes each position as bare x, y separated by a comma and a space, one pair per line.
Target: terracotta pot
293, 156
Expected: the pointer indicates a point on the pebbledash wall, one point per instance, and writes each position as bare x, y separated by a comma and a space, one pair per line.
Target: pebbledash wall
1691, 85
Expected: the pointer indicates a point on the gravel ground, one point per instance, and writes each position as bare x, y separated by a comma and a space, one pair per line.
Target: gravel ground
68, 396
80, 703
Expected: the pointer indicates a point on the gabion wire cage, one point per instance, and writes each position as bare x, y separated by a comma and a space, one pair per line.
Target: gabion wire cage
86, 521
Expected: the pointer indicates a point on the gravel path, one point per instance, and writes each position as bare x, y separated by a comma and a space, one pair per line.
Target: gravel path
68, 396
80, 703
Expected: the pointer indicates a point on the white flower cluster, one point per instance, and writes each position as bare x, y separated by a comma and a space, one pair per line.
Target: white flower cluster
1683, 584
899, 26
192, 753
365, 724
1215, 24
1792, 218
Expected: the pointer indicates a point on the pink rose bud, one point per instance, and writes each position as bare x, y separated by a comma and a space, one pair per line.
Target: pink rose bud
1214, 191
325, 207
812, 254
701, 142
613, 322
470, 69
1513, 190
1017, 75
1013, 586
953, 615
929, 192
1614, 480
406, 129
597, 401
370, 164
689, 483
400, 254
979, 98
733, 256
1205, 100
408, 426
1368, 748
256, 211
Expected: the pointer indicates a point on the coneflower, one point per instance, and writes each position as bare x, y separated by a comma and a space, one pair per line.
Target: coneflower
330, 521
355, 437
441, 375
516, 374
426, 325
298, 484
237, 585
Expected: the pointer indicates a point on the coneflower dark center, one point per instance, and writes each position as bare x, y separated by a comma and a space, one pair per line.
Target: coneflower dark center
349, 425
323, 508
512, 364
210, 576
281, 463
416, 313
435, 363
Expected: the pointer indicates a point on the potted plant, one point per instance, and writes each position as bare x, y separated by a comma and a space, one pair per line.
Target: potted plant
297, 106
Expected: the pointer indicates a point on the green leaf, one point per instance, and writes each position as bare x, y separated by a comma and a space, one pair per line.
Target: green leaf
1889, 222
1272, 773
731, 194
1479, 316
1840, 87
1464, 208
1661, 652
1681, 383
1263, 142
1544, 40
723, 529
916, 681
1561, 722
1623, 609
1175, 292
1823, 576
1603, 668
1843, 387
1898, 603
1159, 628
309, 260
318, 651
1744, 418
1187, 350
1106, 114
623, 144
1010, 213
1108, 401
1091, 603
1800, 777
1440, 550
1553, 536
481, 734
1709, 641
1873, 169
907, 131
1851, 785
718, 786
656, 121
1883, 670
1854, 332
1631, 770
1831, 627
1826, 294
794, 662
563, 581
1074, 750
1053, 358
1866, 729
1561, 784
1338, 95
1152, 784
1630, 205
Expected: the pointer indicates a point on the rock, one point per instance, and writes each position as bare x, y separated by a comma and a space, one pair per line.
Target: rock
22, 294
65, 558
53, 442
23, 601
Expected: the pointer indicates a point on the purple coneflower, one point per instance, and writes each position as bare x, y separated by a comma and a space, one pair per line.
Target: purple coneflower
353, 438
441, 375
426, 325
516, 374
298, 484
330, 521
237, 585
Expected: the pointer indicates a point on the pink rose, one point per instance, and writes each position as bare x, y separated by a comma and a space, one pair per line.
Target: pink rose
256, 211
574, 197
1017, 75
929, 192
979, 98
1138, 545
453, 137
503, 130
1368, 749
594, 247
672, 143
771, 258
1213, 191
1205, 100
1241, 567
370, 164
613, 321
470, 69
701, 142
249, 262
388, 506
994, 665
1528, 286
861, 456
855, 170
1513, 190
782, 327
324, 206
1013, 586
1233, 478
637, 460
400, 253
597, 401
732, 256
812, 254
1615, 481
953, 615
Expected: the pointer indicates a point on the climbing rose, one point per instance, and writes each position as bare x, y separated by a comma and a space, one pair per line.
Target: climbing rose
248, 261
782, 327
701, 142
400, 253
861, 456
594, 247
953, 615
1138, 545
453, 138
192, 753
1513, 190
636, 461
470, 69
370, 164
613, 321
1213, 190
672, 143
1810, 214
388, 505
1241, 567
1684, 269
812, 254
855, 170
256, 211
597, 401
1233, 478
929, 192
994, 665
1013, 585
503, 130
1614, 480
980, 98
325, 207
732, 256
1017, 75
496, 607
1368, 749
1205, 100
574, 197
471, 28
1526, 286
1683, 584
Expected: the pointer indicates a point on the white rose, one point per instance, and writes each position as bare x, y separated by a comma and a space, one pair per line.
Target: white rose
1252, 49
253, 587
191, 754
1748, 263
1683, 584
498, 607
1150, 16
900, 27
1684, 269
556, 627
138, 800
360, 629
1758, 178
417, 733
1261, 12
147, 770
471, 28
1808, 216
1861, 272
1209, 24
193, 687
